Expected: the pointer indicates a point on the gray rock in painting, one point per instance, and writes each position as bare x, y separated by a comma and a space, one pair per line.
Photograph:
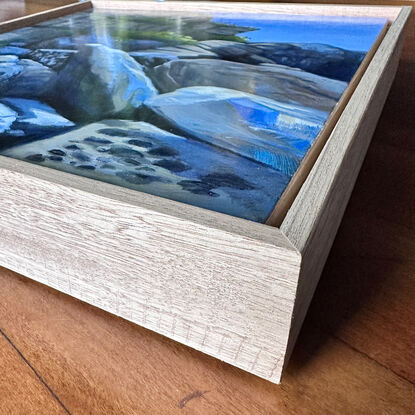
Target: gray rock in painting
32, 37
132, 45
9, 67
152, 58
52, 58
217, 44
25, 78
101, 82
270, 132
9, 39
13, 50
324, 60
143, 157
278, 82
165, 54
23, 119
7, 118
188, 52
65, 42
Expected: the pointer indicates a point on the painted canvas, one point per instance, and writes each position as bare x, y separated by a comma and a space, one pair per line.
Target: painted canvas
216, 111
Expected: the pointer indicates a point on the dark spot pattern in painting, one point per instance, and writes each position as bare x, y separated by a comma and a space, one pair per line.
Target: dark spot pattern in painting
172, 165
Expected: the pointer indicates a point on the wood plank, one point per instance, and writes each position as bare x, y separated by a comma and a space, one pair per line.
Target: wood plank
357, 117
11, 9
373, 309
41, 16
21, 392
76, 346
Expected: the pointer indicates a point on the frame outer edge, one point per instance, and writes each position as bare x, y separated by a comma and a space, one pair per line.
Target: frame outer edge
226, 294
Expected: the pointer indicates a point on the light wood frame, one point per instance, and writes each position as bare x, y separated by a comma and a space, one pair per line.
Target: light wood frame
234, 289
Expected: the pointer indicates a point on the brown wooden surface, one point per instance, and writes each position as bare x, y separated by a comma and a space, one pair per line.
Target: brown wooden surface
21, 388
10, 9
356, 353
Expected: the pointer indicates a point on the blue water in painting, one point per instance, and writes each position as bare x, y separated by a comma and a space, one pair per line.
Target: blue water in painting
356, 34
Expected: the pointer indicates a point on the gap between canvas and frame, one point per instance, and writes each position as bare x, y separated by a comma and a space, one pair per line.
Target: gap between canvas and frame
287, 198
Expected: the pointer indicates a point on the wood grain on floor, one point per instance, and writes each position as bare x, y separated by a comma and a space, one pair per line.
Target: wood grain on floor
356, 353
21, 389
11, 9
98, 363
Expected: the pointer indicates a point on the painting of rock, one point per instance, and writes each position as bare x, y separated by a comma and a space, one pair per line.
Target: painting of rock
216, 111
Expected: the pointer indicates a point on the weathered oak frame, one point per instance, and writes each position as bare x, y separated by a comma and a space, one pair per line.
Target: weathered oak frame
232, 288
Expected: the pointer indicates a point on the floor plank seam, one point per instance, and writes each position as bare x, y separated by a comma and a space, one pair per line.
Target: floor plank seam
37, 374
372, 359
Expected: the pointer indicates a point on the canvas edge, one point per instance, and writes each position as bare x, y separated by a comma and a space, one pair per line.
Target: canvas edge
290, 193
312, 222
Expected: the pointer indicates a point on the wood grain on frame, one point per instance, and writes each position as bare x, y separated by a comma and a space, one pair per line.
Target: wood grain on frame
229, 293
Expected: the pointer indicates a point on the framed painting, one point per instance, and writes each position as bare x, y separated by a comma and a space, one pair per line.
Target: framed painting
186, 165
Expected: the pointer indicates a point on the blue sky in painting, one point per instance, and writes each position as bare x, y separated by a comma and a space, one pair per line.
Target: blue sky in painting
347, 33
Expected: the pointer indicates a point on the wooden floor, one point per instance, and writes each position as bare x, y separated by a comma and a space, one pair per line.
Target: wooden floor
356, 353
